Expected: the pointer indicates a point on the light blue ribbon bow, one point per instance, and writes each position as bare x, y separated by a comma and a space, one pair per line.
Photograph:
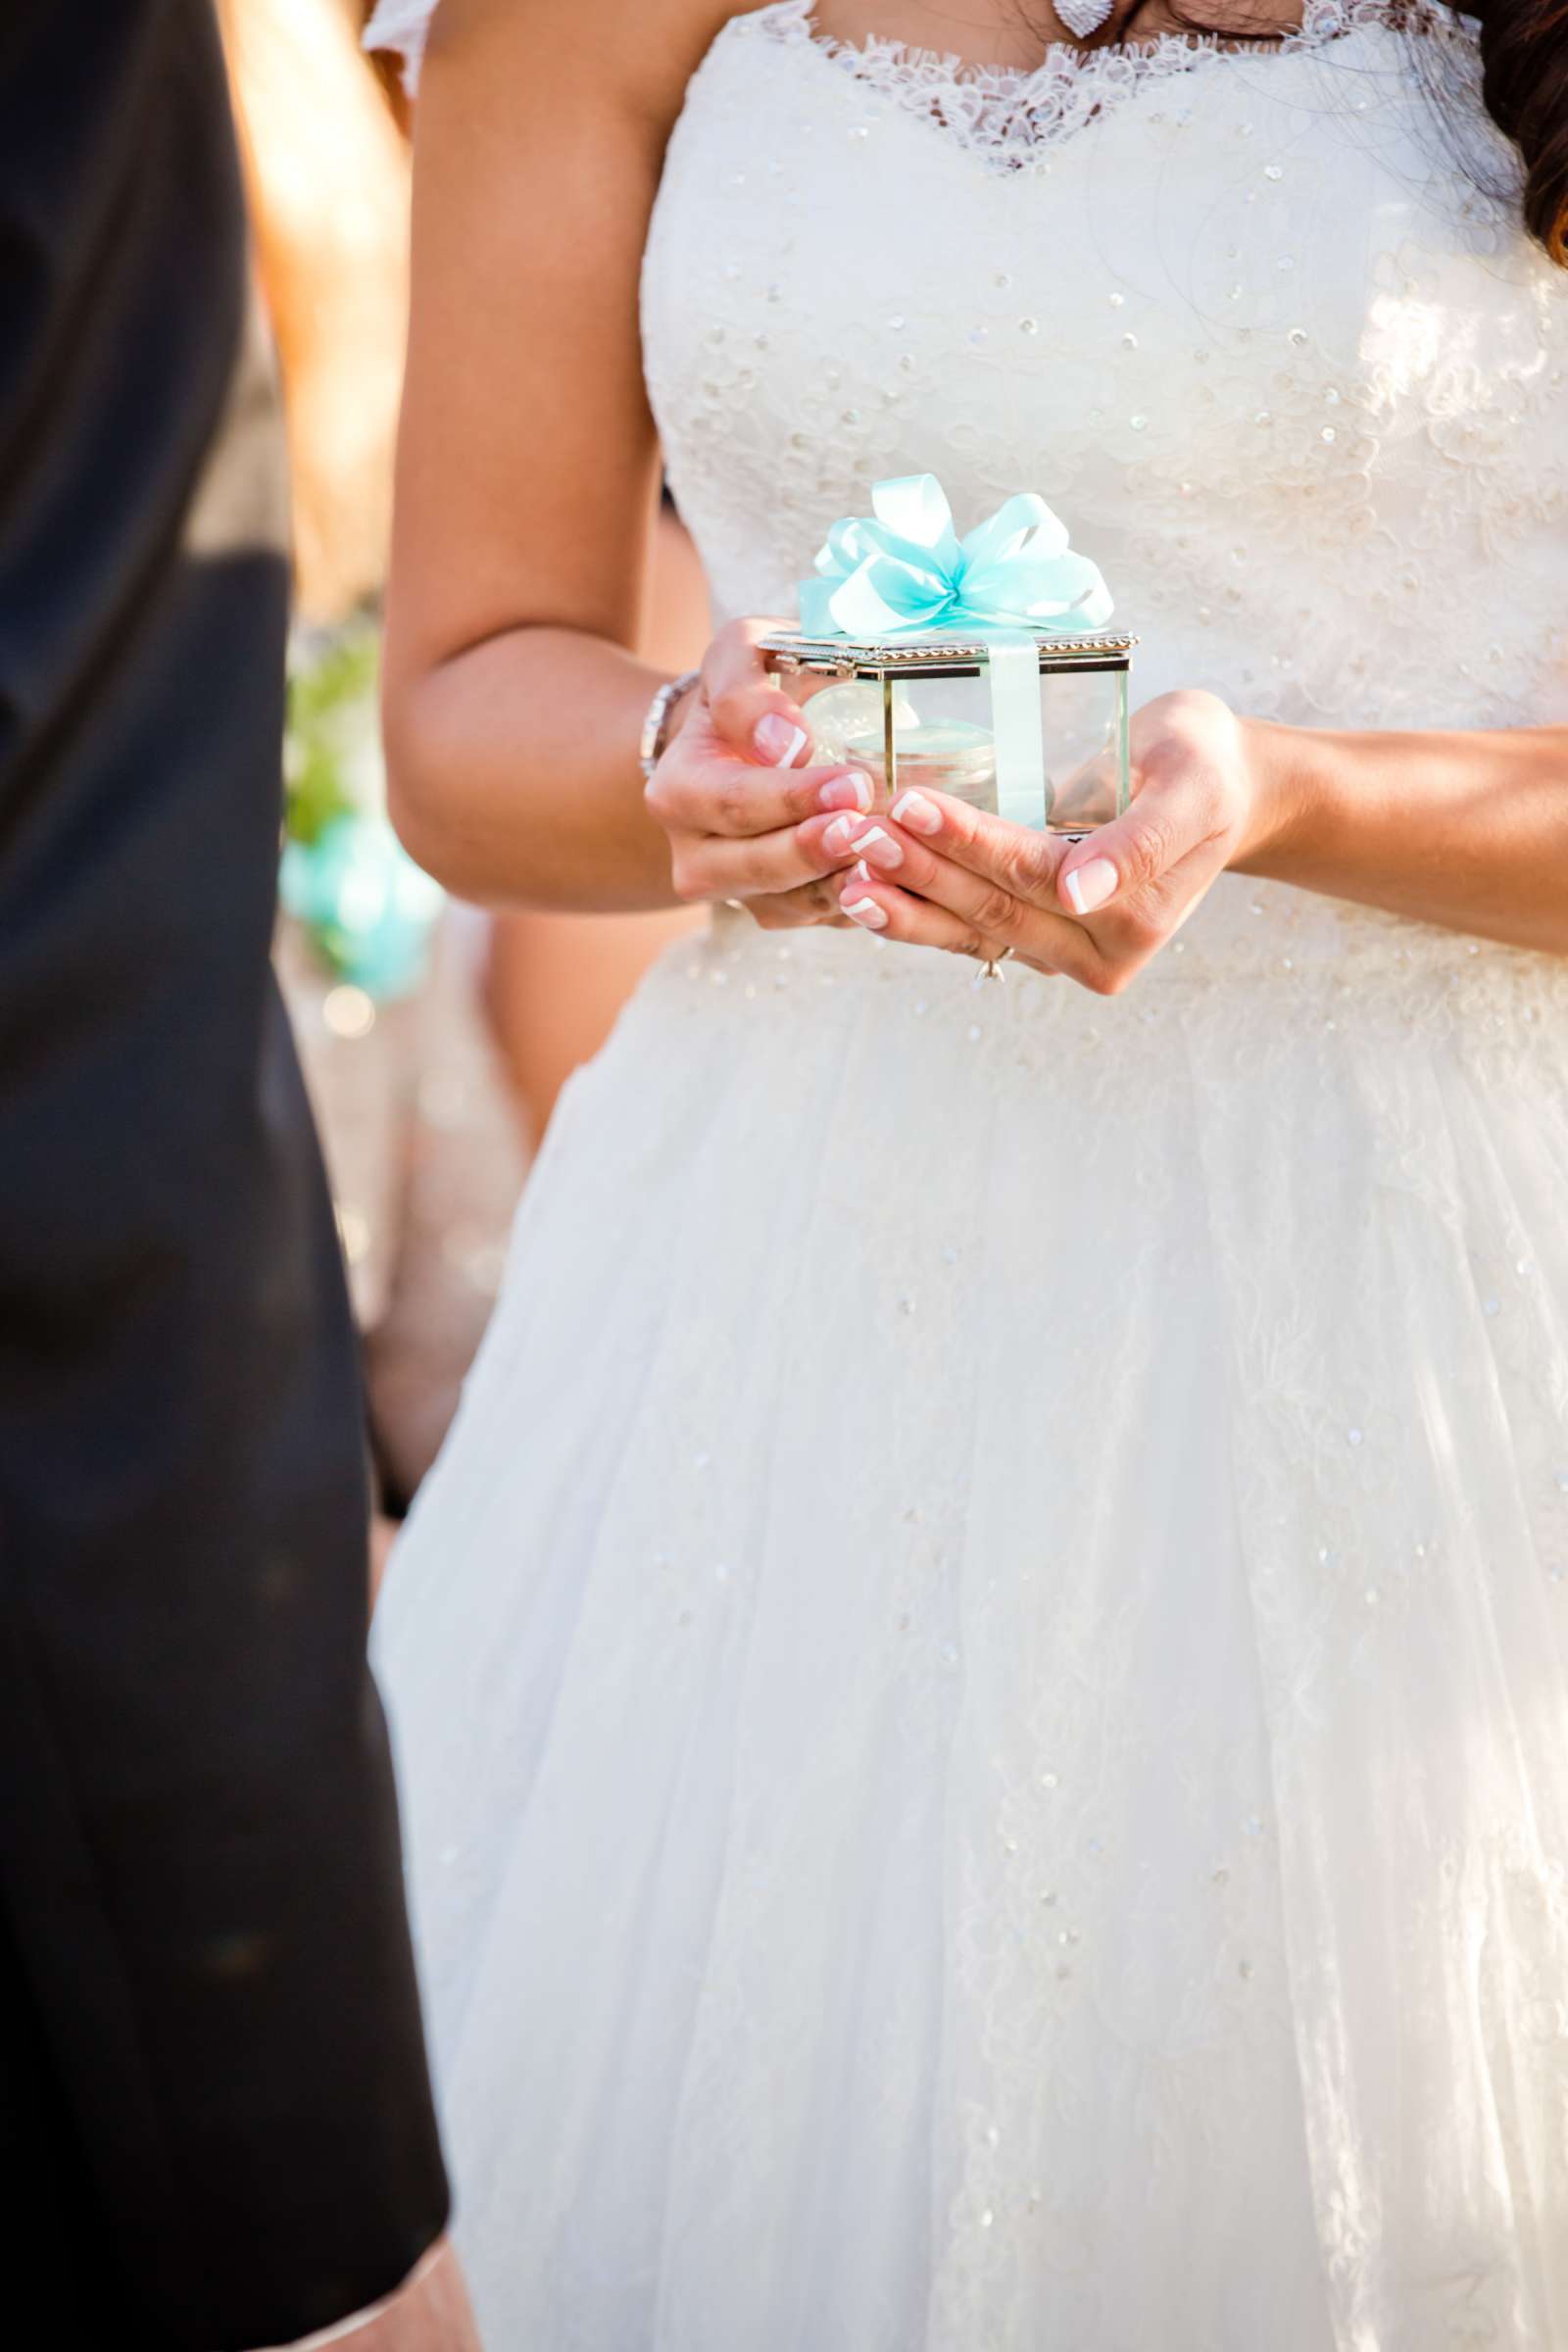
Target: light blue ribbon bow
903, 570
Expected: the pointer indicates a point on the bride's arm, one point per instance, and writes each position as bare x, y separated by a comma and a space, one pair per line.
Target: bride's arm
525, 454
527, 484
1469, 831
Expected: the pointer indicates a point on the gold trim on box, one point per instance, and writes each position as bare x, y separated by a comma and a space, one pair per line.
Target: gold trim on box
853, 656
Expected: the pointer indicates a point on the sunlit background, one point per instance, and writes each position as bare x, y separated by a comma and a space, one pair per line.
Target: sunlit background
435, 1038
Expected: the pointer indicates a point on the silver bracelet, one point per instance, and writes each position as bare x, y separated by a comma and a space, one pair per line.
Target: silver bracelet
650, 747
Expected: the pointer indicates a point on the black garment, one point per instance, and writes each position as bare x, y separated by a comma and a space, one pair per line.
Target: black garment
214, 2122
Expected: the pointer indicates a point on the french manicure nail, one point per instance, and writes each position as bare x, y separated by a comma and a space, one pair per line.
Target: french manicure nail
777, 740
880, 849
866, 911
836, 836
914, 809
1090, 886
851, 791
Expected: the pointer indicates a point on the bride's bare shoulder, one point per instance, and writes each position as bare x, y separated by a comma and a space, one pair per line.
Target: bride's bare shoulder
641, 52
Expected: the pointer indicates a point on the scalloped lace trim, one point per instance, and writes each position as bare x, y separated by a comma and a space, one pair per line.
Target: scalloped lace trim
1010, 111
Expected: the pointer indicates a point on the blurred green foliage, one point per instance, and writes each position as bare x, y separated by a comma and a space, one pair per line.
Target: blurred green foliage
332, 723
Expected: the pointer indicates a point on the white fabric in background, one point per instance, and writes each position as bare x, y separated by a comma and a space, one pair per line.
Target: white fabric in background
402, 26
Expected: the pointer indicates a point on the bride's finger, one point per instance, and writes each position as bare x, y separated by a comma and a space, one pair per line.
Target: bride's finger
749, 713
879, 906
765, 865
1126, 866
984, 908
813, 904
699, 787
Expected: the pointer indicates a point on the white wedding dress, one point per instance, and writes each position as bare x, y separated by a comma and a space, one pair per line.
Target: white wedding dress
981, 1684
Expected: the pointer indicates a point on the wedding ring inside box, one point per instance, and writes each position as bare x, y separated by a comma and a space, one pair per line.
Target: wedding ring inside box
1045, 746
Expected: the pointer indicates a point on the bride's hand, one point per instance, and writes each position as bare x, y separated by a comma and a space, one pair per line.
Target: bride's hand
945, 875
745, 820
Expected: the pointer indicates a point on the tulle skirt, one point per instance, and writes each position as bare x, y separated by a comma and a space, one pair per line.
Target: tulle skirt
980, 1687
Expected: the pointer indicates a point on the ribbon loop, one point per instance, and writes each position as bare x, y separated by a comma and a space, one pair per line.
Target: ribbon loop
903, 571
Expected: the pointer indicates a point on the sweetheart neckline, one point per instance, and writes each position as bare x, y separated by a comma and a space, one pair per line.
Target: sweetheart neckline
1322, 22
1008, 114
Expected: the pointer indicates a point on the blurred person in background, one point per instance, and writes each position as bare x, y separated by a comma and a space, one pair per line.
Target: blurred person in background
215, 2128
383, 977
435, 1037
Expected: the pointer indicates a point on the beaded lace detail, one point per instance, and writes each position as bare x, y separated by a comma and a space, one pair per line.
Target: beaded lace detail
1011, 113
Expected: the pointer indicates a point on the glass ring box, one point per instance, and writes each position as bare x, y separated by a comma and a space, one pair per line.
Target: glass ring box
1032, 727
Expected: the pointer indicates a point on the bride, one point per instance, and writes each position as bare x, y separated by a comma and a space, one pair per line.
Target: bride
981, 1684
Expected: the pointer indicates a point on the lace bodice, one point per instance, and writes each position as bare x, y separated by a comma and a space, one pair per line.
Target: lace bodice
1262, 326
1290, 376
1009, 115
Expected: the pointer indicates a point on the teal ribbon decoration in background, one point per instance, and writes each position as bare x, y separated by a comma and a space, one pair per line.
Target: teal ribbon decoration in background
368, 910
904, 571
